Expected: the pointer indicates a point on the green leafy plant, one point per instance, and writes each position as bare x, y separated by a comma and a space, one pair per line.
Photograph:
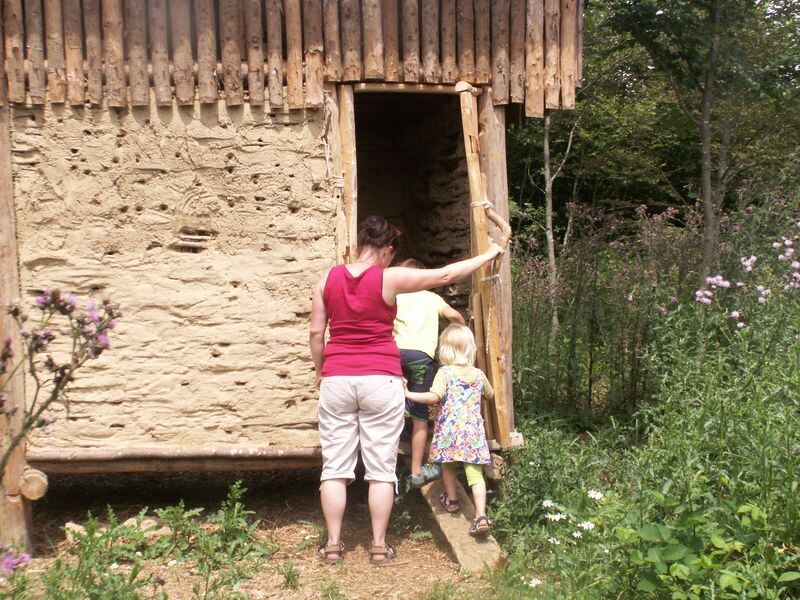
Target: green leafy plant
291, 576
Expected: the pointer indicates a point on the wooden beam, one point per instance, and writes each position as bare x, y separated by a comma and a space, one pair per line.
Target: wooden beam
15, 521
255, 52
391, 41
347, 131
500, 47
206, 26
275, 53
552, 53
569, 43
411, 40
333, 141
517, 52
313, 51
449, 53
373, 39
431, 68
138, 80
483, 47
405, 88
14, 50
159, 52
114, 52
351, 40
73, 51
94, 51
230, 37
579, 49
54, 36
34, 32
182, 61
333, 42
534, 59
465, 25
294, 53
487, 408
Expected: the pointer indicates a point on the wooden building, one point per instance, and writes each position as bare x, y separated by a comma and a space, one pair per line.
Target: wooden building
203, 161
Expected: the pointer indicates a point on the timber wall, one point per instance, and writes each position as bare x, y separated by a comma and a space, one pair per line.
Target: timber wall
280, 52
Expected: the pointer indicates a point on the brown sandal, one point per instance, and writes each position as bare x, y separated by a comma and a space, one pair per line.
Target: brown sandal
451, 506
480, 526
387, 551
323, 551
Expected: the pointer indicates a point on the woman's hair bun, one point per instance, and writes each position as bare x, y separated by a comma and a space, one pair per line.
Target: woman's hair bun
377, 232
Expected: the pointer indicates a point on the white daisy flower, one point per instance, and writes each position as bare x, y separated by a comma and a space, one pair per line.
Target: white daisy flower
577, 535
595, 495
556, 517
534, 582
547, 503
587, 525
554, 541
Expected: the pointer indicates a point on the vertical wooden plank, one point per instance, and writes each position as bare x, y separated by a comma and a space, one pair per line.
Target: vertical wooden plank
275, 53
483, 48
15, 61
449, 56
230, 38
113, 45
431, 68
579, 49
534, 58
138, 81
255, 51
500, 48
206, 26
493, 160
466, 40
334, 143
351, 40
37, 76
411, 40
333, 44
569, 39
294, 53
159, 52
94, 51
552, 53
54, 32
73, 50
373, 39
347, 131
180, 19
391, 40
313, 44
15, 523
517, 51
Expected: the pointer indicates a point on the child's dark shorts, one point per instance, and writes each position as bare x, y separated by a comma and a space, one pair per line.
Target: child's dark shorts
419, 370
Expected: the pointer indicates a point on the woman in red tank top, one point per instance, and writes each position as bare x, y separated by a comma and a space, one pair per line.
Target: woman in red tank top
362, 400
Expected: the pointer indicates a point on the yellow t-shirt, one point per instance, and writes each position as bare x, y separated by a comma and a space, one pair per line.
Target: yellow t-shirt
416, 326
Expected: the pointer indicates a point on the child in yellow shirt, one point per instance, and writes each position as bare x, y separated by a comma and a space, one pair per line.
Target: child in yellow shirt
416, 331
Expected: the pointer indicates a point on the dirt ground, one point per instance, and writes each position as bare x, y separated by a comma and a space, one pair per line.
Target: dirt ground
287, 505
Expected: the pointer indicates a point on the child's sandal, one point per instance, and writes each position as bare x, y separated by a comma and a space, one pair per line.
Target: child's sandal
451, 506
480, 526
386, 551
324, 553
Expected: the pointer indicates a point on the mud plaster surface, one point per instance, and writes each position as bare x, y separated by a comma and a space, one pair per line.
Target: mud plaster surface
209, 225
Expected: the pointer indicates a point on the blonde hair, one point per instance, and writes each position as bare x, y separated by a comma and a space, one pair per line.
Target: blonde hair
457, 346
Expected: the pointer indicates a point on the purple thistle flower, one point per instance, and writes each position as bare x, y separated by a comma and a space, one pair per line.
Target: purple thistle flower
740, 325
735, 314
102, 340
776, 245
9, 563
749, 209
72, 299
762, 300
673, 299
91, 309
43, 300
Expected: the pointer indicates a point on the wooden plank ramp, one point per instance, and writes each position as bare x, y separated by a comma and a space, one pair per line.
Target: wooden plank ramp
475, 555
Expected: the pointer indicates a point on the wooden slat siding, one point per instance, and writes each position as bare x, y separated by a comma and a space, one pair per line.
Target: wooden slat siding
113, 52
411, 41
483, 47
14, 40
449, 53
294, 53
333, 43
313, 52
274, 53
534, 59
94, 51
465, 24
34, 41
431, 68
500, 47
391, 40
552, 52
73, 51
230, 38
569, 39
579, 49
159, 52
255, 52
373, 39
180, 18
517, 52
351, 40
136, 24
54, 32
206, 26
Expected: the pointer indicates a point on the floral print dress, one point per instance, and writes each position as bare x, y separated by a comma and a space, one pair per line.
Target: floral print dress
458, 432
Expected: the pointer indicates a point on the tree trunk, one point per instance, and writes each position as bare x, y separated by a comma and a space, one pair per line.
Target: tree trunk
552, 268
710, 219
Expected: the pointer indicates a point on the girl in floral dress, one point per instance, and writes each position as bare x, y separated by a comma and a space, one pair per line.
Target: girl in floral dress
458, 432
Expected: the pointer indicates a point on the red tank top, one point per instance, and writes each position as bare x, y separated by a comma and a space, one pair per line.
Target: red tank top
361, 324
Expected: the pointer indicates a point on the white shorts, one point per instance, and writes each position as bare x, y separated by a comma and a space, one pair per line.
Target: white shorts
365, 410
